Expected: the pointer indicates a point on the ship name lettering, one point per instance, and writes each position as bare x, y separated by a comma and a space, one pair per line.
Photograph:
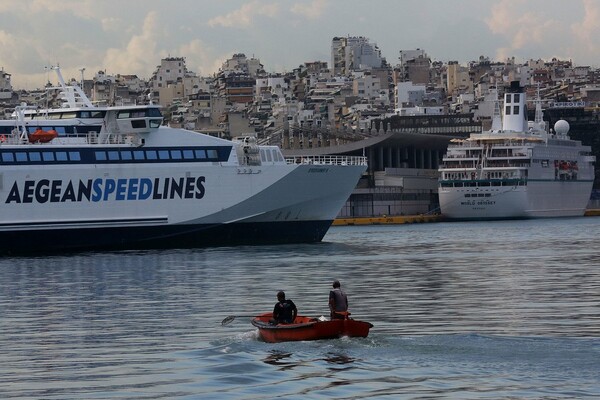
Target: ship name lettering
106, 189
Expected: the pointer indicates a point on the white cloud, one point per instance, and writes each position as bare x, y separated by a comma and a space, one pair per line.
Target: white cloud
524, 30
140, 56
87, 9
587, 31
313, 10
112, 24
198, 57
243, 16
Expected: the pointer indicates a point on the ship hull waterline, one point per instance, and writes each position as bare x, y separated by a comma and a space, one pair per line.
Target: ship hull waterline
539, 199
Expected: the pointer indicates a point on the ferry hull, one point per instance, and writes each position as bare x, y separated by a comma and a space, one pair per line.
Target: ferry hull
539, 199
269, 205
160, 237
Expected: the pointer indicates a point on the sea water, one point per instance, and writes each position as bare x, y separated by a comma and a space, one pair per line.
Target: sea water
506, 309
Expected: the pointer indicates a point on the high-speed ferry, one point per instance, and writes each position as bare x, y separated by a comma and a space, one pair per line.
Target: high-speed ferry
518, 169
90, 177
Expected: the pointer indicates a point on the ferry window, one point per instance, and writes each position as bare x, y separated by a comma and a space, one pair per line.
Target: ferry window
8, 157
138, 155
21, 157
212, 154
188, 154
123, 114
54, 116
176, 154
139, 123
74, 156
101, 156
35, 156
126, 155
113, 155
61, 156
155, 123
154, 112
97, 114
48, 156
151, 155
163, 154
68, 115
263, 158
60, 130
279, 156
138, 114
515, 109
200, 154
84, 114
269, 158
507, 110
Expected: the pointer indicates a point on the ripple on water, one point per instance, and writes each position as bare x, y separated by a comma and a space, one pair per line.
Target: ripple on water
468, 310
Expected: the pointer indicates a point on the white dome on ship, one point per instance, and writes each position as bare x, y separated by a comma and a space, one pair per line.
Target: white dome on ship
561, 127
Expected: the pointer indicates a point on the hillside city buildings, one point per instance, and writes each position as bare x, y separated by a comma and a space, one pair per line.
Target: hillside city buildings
400, 115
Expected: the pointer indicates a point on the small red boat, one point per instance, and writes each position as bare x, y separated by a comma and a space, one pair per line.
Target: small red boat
42, 136
307, 328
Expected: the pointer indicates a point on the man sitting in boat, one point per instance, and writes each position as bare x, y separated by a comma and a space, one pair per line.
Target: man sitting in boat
338, 302
285, 311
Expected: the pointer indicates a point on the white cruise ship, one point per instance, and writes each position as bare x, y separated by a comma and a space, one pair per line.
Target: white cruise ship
518, 169
88, 177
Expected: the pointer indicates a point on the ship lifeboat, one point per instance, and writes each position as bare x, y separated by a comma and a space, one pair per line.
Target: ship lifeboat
42, 136
306, 328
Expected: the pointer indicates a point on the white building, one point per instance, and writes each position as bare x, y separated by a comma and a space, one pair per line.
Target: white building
366, 86
239, 63
171, 70
353, 53
5, 86
407, 92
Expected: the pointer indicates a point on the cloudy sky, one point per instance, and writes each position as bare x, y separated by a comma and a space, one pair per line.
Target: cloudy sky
131, 36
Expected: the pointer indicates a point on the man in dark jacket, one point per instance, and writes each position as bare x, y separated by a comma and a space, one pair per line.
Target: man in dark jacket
338, 302
285, 311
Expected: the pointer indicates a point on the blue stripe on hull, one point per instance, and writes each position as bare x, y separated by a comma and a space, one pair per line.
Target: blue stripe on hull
174, 236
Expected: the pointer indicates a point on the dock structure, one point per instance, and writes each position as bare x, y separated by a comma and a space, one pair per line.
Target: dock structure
387, 220
411, 219
403, 155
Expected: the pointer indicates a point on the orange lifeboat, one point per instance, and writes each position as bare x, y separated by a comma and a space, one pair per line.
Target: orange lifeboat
42, 136
305, 328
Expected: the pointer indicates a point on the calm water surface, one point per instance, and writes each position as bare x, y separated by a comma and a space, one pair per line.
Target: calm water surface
461, 310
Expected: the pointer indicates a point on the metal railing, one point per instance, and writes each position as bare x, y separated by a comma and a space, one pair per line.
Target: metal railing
327, 160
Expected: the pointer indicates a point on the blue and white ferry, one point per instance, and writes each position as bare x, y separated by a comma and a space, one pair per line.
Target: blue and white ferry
87, 177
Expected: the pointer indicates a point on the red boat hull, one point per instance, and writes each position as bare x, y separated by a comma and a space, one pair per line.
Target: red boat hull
306, 328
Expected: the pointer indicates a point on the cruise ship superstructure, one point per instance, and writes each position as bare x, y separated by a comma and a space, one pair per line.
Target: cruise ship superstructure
83, 176
518, 169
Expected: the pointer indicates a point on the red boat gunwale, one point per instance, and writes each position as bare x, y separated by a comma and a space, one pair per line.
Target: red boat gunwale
306, 328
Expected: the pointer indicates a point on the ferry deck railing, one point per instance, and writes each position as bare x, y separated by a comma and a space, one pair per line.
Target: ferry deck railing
327, 160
